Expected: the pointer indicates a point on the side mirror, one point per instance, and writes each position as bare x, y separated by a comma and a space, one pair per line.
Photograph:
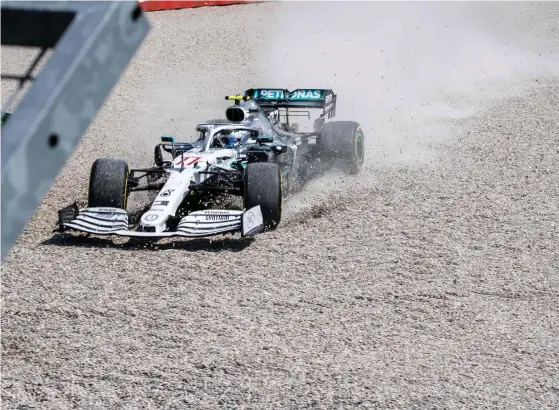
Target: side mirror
158, 156
168, 139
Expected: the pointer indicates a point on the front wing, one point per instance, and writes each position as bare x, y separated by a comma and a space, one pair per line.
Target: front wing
114, 221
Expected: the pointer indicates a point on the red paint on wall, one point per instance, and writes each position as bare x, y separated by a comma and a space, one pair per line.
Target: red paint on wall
155, 5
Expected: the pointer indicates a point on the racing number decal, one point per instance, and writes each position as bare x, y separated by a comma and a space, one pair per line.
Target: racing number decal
191, 160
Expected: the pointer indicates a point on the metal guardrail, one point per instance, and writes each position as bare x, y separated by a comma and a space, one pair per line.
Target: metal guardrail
93, 43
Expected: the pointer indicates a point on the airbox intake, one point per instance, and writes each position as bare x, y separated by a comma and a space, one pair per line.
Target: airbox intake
235, 114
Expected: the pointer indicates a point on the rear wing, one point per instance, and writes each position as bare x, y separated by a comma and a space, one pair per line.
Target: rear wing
299, 98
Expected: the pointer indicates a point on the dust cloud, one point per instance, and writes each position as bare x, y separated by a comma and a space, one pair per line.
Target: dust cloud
400, 69
403, 70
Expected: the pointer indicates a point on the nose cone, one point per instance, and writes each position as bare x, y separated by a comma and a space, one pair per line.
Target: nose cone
153, 221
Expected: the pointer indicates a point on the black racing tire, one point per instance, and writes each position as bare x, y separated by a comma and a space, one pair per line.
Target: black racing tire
344, 141
262, 186
108, 183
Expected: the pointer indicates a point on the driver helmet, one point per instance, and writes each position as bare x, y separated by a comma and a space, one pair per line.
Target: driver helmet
230, 141
222, 140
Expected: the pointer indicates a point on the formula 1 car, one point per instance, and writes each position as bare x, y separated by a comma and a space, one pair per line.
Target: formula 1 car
251, 154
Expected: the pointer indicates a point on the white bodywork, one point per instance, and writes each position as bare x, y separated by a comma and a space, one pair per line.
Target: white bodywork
184, 170
114, 221
176, 188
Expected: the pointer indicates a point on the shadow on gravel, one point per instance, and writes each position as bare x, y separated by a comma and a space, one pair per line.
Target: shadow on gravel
135, 244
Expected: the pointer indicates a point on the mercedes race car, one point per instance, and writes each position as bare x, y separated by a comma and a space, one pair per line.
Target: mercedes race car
252, 154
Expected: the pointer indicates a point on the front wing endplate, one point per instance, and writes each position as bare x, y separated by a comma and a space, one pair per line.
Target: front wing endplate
114, 221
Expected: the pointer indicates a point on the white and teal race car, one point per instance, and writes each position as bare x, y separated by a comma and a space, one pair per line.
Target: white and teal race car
251, 154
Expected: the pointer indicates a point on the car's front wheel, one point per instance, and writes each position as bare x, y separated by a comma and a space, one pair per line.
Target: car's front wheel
262, 187
108, 183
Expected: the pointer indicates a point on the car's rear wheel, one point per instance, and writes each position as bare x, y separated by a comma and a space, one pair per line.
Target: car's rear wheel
345, 142
108, 183
263, 187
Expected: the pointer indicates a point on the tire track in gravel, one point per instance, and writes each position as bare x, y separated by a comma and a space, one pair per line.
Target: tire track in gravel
431, 283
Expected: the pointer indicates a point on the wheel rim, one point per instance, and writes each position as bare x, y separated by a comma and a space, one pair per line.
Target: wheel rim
359, 147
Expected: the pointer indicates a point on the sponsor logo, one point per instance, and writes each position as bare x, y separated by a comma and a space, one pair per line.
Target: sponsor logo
217, 217
151, 217
271, 94
250, 220
107, 210
294, 95
161, 203
306, 95
328, 99
166, 193
216, 212
105, 216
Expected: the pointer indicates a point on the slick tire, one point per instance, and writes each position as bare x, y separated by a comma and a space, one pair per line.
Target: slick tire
108, 183
262, 186
343, 141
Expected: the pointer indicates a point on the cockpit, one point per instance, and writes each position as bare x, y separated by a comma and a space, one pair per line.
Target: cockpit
224, 137
231, 138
